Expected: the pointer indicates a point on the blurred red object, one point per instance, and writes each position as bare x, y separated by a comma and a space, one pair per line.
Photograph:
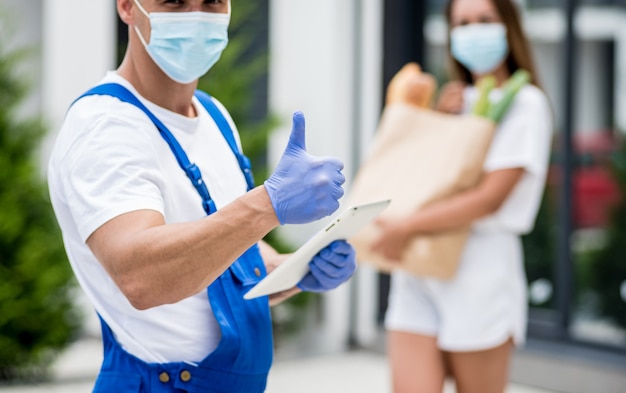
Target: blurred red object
595, 190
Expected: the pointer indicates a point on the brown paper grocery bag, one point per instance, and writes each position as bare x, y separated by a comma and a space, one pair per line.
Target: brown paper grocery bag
419, 156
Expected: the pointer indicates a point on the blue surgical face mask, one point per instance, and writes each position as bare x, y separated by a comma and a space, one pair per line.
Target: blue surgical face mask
185, 45
480, 47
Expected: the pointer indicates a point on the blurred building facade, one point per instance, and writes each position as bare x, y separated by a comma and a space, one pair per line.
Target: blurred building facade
332, 59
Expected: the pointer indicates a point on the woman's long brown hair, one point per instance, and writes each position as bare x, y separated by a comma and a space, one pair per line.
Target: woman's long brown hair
520, 55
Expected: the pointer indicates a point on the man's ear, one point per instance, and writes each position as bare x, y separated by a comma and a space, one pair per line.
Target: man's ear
124, 8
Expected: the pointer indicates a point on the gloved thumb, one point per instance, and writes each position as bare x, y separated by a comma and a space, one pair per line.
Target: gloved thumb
297, 138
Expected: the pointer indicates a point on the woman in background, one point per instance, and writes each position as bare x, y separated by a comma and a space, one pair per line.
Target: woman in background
467, 327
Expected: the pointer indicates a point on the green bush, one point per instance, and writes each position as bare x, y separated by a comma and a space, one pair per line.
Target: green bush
37, 315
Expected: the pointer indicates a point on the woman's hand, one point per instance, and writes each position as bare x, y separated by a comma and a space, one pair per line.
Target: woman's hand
451, 98
393, 240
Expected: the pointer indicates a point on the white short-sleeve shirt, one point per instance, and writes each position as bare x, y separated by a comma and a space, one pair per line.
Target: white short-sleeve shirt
108, 160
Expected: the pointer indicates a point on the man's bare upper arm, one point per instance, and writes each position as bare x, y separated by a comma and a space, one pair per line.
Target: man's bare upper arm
115, 237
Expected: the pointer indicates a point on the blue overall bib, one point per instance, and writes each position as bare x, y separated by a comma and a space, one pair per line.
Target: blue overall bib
242, 359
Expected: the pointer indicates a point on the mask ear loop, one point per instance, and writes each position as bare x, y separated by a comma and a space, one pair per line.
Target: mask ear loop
143, 10
140, 36
143, 41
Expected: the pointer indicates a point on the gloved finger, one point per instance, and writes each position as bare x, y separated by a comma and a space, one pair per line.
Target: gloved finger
344, 262
327, 191
324, 275
310, 283
336, 251
339, 178
328, 170
330, 163
323, 270
297, 138
333, 182
341, 247
337, 192
330, 257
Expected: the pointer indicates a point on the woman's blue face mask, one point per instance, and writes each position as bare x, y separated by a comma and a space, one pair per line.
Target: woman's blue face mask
480, 47
185, 45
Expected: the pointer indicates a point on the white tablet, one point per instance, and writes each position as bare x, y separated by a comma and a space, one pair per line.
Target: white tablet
296, 266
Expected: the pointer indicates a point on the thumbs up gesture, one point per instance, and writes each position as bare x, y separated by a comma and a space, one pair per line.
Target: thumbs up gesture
304, 188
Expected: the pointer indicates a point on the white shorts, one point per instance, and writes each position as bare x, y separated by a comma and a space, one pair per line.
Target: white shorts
480, 308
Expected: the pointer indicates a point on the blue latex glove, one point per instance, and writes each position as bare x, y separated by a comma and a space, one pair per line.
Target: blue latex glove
304, 188
331, 267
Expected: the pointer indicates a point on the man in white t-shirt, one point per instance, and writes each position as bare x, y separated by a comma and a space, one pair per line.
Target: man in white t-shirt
161, 221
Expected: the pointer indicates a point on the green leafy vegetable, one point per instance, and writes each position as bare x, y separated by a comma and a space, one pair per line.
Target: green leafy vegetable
485, 85
513, 85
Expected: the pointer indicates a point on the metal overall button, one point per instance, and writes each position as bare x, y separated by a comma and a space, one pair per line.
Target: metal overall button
257, 271
164, 377
185, 376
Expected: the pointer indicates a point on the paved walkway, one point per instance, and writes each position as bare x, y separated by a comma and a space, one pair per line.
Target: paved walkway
354, 371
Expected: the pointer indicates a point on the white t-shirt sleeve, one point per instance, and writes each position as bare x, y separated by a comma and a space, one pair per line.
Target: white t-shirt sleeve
522, 140
111, 171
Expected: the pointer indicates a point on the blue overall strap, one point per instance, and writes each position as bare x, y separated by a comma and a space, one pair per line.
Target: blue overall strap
222, 124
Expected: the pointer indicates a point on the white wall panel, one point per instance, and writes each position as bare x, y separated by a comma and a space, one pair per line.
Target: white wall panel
79, 40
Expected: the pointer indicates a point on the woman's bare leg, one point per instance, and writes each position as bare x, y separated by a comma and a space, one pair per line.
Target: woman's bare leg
417, 364
482, 371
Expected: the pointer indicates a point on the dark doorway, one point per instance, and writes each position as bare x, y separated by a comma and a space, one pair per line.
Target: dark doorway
403, 42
